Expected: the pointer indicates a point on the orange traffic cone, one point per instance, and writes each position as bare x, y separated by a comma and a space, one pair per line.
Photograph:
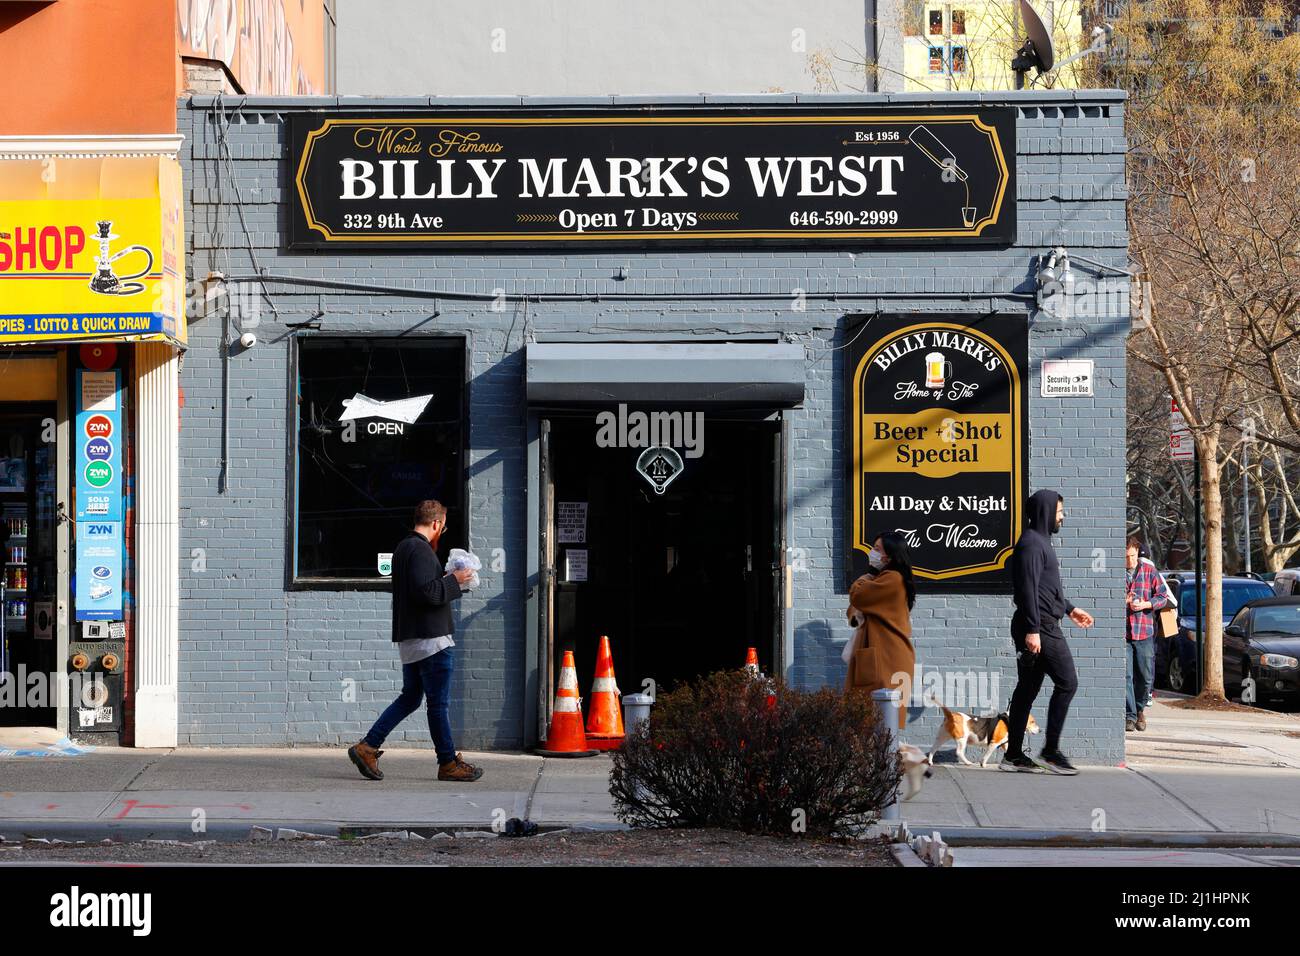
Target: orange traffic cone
751, 668
604, 718
566, 738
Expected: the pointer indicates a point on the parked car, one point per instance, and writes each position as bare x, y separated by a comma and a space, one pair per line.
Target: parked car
1176, 657
1263, 643
1286, 582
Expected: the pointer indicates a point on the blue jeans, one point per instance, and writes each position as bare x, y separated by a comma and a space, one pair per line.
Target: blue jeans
429, 679
1140, 663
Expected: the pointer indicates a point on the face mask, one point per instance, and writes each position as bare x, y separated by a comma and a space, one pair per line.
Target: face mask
875, 559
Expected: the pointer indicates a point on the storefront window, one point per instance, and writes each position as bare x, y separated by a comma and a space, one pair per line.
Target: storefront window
958, 59
380, 426
936, 59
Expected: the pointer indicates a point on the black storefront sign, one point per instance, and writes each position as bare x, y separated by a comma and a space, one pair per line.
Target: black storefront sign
937, 444
636, 179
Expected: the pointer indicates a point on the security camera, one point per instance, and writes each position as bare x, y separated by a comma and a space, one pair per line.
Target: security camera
248, 340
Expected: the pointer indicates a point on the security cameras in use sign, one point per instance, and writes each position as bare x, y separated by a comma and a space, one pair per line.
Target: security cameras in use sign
633, 178
1066, 377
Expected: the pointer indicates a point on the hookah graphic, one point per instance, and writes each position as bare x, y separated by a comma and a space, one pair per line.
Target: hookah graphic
104, 281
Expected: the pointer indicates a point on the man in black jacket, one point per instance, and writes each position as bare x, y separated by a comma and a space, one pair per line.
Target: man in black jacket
422, 629
1036, 630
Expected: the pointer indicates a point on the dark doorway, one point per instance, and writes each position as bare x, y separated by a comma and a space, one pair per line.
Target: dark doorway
681, 582
27, 514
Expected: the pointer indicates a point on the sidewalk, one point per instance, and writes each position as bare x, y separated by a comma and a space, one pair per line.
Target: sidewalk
157, 792
1206, 778
1205, 775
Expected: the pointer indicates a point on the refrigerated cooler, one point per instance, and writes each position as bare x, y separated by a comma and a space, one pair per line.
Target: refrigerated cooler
27, 508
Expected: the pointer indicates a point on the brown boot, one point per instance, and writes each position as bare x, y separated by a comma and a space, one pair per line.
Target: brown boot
1141, 722
459, 770
366, 758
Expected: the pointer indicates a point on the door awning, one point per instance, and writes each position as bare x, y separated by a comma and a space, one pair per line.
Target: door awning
731, 373
91, 249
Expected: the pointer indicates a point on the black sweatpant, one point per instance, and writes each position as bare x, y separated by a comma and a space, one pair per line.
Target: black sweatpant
1054, 661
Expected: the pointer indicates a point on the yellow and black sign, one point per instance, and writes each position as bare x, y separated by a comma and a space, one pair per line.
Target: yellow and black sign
938, 446
91, 249
637, 178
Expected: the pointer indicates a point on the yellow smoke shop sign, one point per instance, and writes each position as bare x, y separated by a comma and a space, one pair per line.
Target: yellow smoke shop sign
91, 249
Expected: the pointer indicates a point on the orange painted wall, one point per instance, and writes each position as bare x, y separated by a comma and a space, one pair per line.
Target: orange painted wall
87, 66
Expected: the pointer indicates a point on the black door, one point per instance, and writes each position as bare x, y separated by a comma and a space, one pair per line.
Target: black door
682, 582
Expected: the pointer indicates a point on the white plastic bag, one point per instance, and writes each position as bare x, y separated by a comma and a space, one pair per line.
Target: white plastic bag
459, 560
846, 655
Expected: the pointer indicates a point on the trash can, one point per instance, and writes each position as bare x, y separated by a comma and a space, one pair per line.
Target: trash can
636, 708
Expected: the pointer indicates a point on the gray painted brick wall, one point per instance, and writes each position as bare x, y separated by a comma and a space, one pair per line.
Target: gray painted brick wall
260, 664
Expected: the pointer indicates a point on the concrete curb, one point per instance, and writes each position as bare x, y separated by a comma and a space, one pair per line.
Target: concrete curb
426, 829
16, 831
988, 836
906, 856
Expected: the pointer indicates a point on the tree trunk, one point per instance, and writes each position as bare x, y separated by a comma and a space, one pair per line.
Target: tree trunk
1274, 557
1233, 562
1212, 504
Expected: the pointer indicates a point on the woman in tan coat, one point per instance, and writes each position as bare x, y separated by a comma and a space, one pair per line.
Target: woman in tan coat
881, 647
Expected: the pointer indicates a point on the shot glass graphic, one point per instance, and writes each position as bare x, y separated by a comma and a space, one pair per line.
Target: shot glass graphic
935, 150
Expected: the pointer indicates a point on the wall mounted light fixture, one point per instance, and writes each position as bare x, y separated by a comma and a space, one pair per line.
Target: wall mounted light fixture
1055, 266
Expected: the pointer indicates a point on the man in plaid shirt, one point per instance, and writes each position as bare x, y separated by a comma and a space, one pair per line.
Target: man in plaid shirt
1144, 596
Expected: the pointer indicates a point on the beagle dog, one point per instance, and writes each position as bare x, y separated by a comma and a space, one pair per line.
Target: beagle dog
990, 732
915, 769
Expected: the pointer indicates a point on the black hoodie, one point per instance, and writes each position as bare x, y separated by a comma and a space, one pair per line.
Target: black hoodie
1035, 572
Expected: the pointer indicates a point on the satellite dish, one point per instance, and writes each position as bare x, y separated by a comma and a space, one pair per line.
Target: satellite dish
1037, 52
1036, 33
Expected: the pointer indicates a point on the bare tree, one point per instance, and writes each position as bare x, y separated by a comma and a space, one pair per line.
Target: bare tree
986, 32
1160, 495
1214, 110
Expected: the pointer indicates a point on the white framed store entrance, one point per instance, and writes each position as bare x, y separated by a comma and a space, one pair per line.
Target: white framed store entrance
40, 377
114, 178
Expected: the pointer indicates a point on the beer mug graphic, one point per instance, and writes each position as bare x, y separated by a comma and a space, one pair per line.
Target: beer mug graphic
937, 370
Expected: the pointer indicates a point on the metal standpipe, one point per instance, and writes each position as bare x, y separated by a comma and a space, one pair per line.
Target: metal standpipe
888, 700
